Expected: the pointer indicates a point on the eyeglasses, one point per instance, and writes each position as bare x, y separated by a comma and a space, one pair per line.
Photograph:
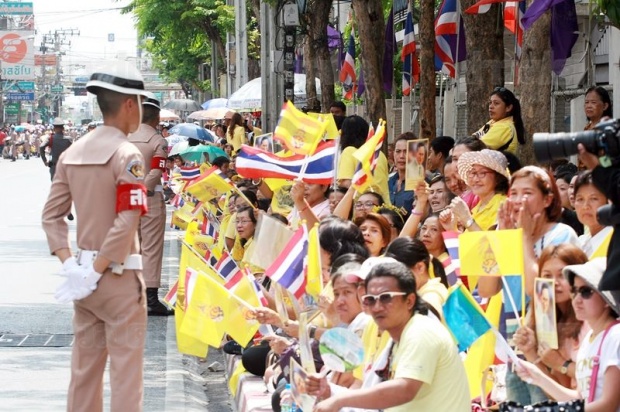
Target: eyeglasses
365, 205
384, 298
243, 222
500, 89
478, 175
586, 292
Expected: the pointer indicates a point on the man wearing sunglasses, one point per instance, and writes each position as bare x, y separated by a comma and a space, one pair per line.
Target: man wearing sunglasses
423, 371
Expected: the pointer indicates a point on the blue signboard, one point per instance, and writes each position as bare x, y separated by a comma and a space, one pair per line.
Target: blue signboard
16, 8
19, 86
20, 97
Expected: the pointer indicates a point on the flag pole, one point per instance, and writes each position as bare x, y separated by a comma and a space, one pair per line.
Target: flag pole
515, 69
456, 62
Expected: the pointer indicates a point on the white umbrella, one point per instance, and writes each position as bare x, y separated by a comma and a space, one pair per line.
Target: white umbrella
166, 115
215, 113
178, 148
248, 97
175, 138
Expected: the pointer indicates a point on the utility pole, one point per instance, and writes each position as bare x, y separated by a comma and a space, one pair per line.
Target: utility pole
55, 41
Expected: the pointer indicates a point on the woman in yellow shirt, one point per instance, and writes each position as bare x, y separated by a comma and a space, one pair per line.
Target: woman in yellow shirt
505, 130
236, 132
486, 174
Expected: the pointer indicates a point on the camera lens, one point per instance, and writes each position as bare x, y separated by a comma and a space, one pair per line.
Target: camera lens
549, 146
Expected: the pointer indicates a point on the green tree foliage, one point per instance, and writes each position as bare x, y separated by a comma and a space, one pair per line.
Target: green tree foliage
610, 8
179, 33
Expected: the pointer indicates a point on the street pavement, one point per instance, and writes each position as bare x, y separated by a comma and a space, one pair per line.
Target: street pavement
35, 330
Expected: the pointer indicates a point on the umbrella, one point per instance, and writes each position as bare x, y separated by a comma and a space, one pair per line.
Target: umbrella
175, 138
248, 97
215, 113
185, 105
178, 148
167, 115
215, 103
194, 153
193, 131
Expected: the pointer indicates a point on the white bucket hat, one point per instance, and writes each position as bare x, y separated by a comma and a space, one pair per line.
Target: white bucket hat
120, 77
592, 272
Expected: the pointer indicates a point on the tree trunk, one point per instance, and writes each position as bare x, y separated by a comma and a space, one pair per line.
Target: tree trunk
427, 70
371, 30
318, 18
485, 61
535, 84
309, 59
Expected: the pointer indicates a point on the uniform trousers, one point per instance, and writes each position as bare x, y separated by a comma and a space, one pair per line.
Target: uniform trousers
111, 322
152, 231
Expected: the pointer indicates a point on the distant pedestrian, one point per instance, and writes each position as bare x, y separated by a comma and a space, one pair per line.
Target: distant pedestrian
57, 143
103, 173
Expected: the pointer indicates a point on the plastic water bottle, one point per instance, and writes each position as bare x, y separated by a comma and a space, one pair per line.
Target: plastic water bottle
287, 404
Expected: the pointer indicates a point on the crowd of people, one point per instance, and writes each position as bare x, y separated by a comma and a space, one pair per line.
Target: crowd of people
384, 255
383, 259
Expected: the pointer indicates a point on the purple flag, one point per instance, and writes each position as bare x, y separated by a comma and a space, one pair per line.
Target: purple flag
361, 86
536, 10
334, 39
299, 62
388, 53
564, 33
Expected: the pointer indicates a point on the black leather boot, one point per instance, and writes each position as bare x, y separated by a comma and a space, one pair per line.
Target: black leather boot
155, 307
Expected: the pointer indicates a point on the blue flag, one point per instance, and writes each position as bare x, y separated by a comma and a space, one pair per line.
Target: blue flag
464, 317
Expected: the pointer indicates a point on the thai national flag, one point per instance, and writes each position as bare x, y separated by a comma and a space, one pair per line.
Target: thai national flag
411, 66
513, 16
257, 290
171, 296
451, 240
288, 268
483, 6
189, 173
347, 71
253, 163
208, 228
228, 269
449, 38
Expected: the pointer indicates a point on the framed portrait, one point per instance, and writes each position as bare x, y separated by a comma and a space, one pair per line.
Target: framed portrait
417, 155
544, 312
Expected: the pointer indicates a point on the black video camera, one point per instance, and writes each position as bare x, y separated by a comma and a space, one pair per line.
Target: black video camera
603, 141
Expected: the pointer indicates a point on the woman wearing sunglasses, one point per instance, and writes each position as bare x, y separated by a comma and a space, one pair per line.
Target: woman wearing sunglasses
422, 370
597, 367
505, 130
557, 363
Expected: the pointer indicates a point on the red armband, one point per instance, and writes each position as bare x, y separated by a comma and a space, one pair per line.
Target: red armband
158, 162
131, 196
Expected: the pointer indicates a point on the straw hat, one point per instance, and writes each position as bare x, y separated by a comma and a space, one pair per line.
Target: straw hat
592, 272
491, 159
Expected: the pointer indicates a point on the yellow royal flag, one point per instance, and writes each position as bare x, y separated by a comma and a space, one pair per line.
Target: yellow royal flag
314, 281
185, 343
492, 253
482, 353
183, 216
206, 314
190, 258
209, 185
331, 130
366, 152
299, 132
241, 321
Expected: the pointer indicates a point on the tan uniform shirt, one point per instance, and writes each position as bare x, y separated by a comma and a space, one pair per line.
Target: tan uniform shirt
151, 144
88, 174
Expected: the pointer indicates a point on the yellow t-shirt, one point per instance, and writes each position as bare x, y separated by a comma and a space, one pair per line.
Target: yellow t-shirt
238, 138
374, 343
427, 353
434, 293
486, 216
346, 170
499, 134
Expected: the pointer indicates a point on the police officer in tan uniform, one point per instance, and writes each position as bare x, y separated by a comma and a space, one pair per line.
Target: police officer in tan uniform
152, 225
103, 175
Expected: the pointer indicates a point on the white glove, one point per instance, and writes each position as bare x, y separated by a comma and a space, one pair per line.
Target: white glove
81, 282
68, 265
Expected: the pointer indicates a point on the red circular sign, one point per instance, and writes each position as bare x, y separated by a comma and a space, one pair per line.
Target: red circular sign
14, 48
